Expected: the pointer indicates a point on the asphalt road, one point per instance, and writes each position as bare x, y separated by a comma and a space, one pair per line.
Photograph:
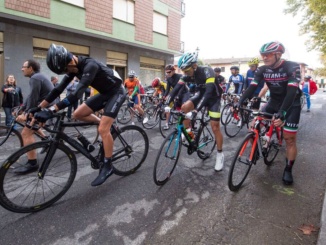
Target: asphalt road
194, 207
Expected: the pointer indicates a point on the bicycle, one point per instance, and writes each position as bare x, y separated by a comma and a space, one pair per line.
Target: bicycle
127, 110
169, 152
38, 190
230, 99
264, 140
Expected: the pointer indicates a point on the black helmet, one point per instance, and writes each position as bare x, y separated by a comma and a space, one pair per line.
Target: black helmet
169, 67
235, 68
217, 69
58, 58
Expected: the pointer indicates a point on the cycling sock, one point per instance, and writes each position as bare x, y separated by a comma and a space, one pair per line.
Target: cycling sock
220, 151
107, 160
32, 161
289, 164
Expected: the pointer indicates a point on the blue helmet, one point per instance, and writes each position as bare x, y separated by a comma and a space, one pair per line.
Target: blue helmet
187, 60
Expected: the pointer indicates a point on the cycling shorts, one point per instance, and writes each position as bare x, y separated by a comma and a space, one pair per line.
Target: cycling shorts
111, 102
213, 106
184, 97
292, 116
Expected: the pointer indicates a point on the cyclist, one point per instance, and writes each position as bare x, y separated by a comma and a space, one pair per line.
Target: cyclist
308, 88
237, 80
132, 86
282, 78
219, 79
91, 73
159, 87
209, 94
176, 91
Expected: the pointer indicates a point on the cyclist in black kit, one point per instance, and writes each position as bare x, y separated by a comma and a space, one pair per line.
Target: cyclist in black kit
209, 94
91, 73
179, 93
282, 78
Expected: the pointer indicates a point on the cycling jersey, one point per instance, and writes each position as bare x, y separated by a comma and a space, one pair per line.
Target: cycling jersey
249, 79
161, 88
179, 90
238, 81
131, 85
91, 73
283, 83
208, 94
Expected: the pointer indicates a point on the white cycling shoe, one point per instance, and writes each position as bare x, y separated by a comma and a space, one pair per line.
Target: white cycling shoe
145, 120
219, 161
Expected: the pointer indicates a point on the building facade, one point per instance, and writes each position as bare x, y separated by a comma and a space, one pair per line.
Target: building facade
138, 35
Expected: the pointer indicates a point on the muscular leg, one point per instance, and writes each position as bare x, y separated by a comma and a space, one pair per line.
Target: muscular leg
28, 138
187, 107
84, 113
291, 146
217, 133
105, 124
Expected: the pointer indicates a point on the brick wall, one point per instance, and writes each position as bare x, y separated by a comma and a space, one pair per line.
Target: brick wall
174, 29
34, 7
99, 15
175, 4
144, 21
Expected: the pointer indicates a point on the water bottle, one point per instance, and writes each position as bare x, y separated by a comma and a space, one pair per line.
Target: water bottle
87, 145
191, 134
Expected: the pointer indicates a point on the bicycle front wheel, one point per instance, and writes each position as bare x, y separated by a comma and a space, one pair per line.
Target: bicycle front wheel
232, 124
272, 149
167, 158
27, 193
10, 141
241, 163
206, 143
124, 115
225, 112
130, 149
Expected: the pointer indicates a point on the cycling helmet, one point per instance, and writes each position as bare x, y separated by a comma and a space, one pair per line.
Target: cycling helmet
169, 67
58, 58
272, 47
253, 61
131, 74
217, 69
156, 82
187, 60
235, 68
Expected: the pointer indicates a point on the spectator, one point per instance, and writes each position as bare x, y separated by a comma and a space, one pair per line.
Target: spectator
308, 88
12, 97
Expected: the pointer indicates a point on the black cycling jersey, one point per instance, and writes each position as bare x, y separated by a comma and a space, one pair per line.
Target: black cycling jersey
283, 83
172, 82
90, 73
204, 78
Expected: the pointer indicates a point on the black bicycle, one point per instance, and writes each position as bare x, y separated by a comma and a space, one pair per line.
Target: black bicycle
168, 155
38, 190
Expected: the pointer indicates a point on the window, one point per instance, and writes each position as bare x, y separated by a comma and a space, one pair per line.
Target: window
79, 3
124, 10
160, 23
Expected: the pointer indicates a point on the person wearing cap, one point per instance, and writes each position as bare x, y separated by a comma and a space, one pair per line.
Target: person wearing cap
90, 72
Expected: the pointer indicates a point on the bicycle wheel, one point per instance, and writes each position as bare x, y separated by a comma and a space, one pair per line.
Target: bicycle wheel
124, 115
232, 124
167, 158
302, 101
130, 155
10, 141
225, 112
241, 163
272, 149
152, 114
171, 123
206, 143
29, 193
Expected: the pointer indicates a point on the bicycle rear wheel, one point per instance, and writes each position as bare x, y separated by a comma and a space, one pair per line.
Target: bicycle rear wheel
206, 143
167, 158
152, 114
272, 149
225, 112
232, 124
124, 115
241, 163
29, 193
131, 149
10, 141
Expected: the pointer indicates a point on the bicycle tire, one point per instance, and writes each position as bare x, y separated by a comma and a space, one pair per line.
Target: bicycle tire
138, 142
58, 178
272, 149
231, 127
152, 113
124, 115
240, 166
225, 112
163, 167
206, 143
10, 141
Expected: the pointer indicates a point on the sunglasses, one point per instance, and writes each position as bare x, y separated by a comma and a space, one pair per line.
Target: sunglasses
268, 55
187, 69
168, 72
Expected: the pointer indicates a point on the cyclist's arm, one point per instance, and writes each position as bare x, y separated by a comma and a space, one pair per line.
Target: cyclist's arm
180, 85
263, 91
249, 91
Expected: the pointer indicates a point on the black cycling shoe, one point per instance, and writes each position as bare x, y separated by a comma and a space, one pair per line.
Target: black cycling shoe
105, 172
26, 168
287, 176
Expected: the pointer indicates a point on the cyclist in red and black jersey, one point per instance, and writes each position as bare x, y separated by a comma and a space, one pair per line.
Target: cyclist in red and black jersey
209, 94
91, 73
283, 79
